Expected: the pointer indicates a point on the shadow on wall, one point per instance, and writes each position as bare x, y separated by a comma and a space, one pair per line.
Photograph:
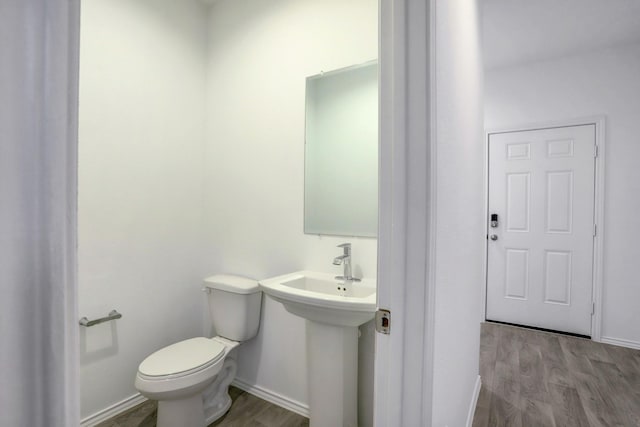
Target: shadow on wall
254, 346
99, 342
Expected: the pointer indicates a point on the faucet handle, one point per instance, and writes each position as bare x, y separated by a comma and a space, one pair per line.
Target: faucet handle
346, 247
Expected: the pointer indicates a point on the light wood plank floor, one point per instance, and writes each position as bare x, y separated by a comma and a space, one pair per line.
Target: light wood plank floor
532, 378
246, 411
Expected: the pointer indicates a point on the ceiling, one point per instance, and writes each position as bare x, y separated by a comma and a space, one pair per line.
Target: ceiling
519, 31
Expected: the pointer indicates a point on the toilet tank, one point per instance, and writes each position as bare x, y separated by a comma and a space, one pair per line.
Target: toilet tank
234, 306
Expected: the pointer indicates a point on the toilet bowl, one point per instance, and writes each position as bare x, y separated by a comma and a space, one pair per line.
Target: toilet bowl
190, 379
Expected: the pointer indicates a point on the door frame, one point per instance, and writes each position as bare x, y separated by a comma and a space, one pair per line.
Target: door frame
406, 224
599, 196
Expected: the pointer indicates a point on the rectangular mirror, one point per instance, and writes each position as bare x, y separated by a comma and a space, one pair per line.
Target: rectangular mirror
341, 152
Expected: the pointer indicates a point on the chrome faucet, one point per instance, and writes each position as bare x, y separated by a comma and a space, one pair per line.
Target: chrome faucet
345, 260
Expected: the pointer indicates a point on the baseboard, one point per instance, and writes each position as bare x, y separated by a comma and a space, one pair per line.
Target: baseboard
273, 397
474, 401
136, 399
620, 342
113, 410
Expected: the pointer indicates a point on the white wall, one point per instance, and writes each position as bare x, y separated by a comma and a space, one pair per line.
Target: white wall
599, 83
140, 185
260, 54
459, 210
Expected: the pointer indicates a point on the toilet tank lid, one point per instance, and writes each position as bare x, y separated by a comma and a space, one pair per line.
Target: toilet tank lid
232, 283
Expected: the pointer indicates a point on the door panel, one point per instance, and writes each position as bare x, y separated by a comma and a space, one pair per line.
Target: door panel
559, 201
517, 273
518, 202
541, 186
557, 277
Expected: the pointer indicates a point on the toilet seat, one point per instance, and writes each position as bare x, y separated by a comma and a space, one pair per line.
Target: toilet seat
180, 369
182, 359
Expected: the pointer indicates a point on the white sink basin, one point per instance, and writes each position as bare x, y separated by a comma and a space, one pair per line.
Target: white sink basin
322, 298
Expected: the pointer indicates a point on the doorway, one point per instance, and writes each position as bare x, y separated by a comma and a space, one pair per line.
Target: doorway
542, 228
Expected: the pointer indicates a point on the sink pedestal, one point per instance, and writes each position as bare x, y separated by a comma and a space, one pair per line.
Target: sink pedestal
333, 310
332, 356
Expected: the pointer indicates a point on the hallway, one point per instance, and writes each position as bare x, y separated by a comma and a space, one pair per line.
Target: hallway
533, 378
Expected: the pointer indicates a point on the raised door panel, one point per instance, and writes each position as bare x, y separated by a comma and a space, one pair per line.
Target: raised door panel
518, 202
516, 273
557, 277
559, 201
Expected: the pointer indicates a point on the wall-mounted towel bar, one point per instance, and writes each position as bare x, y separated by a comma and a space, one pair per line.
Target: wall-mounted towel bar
113, 315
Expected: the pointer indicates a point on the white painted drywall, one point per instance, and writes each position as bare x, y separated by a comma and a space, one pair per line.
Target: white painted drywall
459, 210
600, 83
140, 185
260, 53
519, 31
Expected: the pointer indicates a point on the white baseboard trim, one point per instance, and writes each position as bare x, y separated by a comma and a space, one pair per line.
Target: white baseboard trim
136, 399
113, 410
620, 342
273, 397
474, 401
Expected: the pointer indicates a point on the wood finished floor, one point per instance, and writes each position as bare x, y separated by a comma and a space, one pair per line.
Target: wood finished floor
529, 379
532, 378
246, 411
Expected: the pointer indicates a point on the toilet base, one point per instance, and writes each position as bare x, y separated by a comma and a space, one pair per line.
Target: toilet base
216, 397
188, 412
203, 408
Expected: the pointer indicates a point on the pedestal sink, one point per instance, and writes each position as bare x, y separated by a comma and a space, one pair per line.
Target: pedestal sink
333, 309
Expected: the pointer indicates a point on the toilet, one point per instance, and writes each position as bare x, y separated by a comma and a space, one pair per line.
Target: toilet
190, 379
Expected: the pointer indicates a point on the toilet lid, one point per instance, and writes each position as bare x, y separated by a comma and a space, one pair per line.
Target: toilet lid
183, 356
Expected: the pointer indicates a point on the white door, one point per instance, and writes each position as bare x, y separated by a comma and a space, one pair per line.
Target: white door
540, 251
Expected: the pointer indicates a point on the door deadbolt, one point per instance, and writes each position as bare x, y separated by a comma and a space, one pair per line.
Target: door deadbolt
494, 220
494, 237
